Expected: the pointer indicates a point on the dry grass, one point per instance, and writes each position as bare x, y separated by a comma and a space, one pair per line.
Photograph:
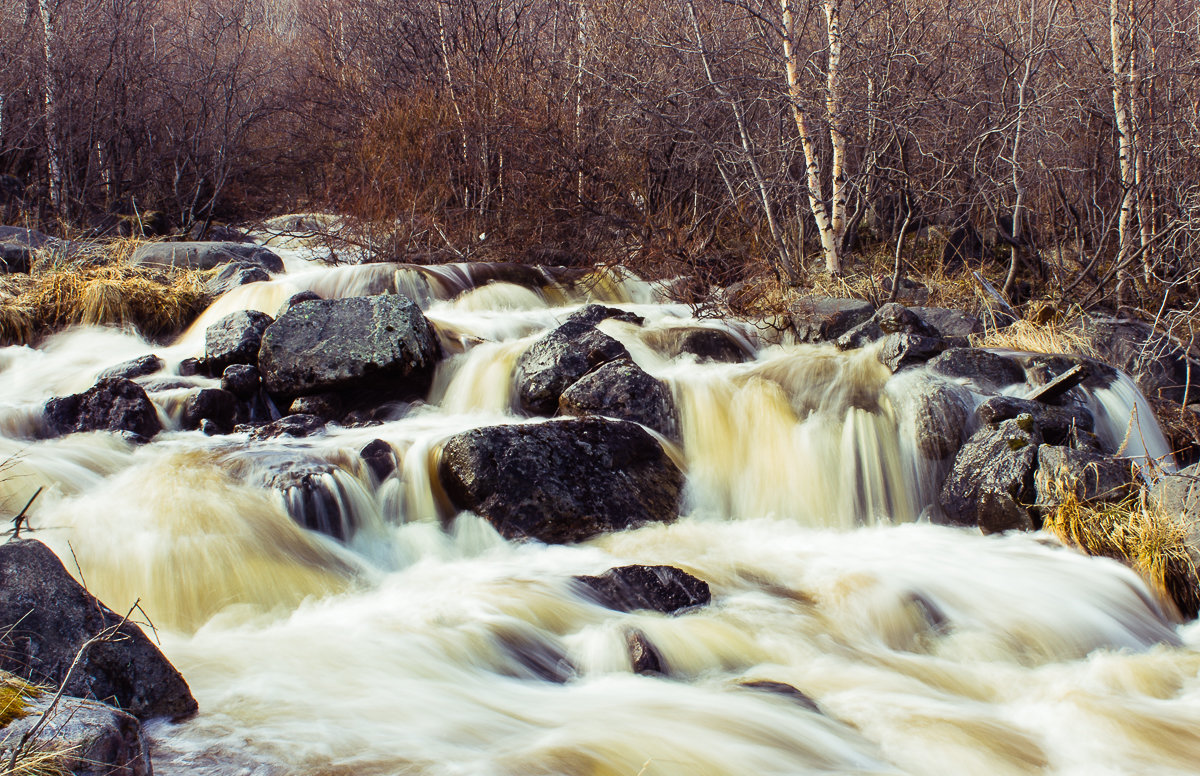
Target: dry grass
33, 761
1055, 336
1132, 531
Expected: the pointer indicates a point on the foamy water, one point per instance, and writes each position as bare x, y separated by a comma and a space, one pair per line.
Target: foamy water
423, 643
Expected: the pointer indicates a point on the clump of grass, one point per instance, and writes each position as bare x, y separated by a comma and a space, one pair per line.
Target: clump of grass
17, 323
1054, 336
14, 692
1136, 533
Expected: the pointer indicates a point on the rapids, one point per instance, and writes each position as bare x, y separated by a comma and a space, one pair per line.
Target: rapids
422, 643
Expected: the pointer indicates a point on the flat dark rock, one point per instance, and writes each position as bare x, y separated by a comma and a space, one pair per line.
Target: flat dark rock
663, 589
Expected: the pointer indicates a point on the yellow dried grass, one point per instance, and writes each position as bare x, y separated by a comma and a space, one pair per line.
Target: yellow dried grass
1052, 337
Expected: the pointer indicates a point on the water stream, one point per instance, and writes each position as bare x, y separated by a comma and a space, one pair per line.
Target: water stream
421, 644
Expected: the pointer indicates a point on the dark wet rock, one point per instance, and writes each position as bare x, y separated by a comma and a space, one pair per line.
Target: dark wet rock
49, 617
705, 344
955, 326
557, 360
988, 371
296, 426
214, 405
595, 313
205, 255
535, 658
561, 481
242, 380
782, 690
1091, 477
190, 367
1155, 361
1041, 369
1058, 425
134, 368
891, 318
233, 275
379, 457
112, 404
95, 739
295, 299
992, 483
663, 589
900, 351
313, 497
16, 258
324, 405
940, 416
379, 343
643, 657
622, 390
235, 339
823, 319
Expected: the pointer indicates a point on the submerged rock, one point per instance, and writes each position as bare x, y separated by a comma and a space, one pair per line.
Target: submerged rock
644, 658
50, 617
940, 415
992, 483
622, 390
93, 739
360, 343
113, 404
704, 343
663, 589
557, 360
379, 457
289, 426
561, 481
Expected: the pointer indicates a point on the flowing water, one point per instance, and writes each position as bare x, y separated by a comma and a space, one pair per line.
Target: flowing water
425, 643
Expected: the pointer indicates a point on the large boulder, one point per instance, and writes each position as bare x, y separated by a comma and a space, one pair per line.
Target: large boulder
986, 370
48, 618
113, 404
1156, 362
1058, 425
234, 274
622, 390
235, 339
901, 351
891, 318
1090, 477
706, 344
940, 412
91, 739
956, 326
663, 589
557, 360
823, 318
205, 255
1179, 495
992, 483
561, 481
19, 246
366, 342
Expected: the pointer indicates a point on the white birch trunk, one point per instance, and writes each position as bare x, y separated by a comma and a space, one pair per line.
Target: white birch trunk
1121, 55
834, 114
50, 102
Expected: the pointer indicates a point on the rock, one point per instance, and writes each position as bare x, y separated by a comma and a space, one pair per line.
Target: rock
592, 314
327, 406
663, 589
291, 426
1042, 369
900, 351
1179, 494
643, 657
705, 344
189, 367
992, 482
50, 616
136, 367
986, 370
205, 255
782, 690
535, 658
32, 238
16, 258
891, 318
242, 380
1058, 387
19, 247
561, 481
380, 458
359, 343
1092, 477
213, 405
622, 390
313, 498
823, 318
235, 339
295, 299
94, 739
940, 413
219, 233
955, 326
557, 360
1155, 361
233, 275
1058, 425
112, 404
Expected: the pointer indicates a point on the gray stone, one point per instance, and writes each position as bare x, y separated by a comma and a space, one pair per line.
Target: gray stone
1058, 425
134, 368
205, 255
988, 371
561, 481
233, 275
891, 318
50, 618
295, 426
377, 342
992, 482
955, 326
295, 299
1092, 477
940, 414
93, 739
663, 589
557, 360
1179, 494
824, 319
112, 404
327, 406
1155, 361
622, 390
900, 351
380, 458
235, 339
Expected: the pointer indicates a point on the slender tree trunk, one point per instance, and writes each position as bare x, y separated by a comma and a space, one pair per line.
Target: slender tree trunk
830, 246
834, 113
1121, 62
50, 102
1137, 115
